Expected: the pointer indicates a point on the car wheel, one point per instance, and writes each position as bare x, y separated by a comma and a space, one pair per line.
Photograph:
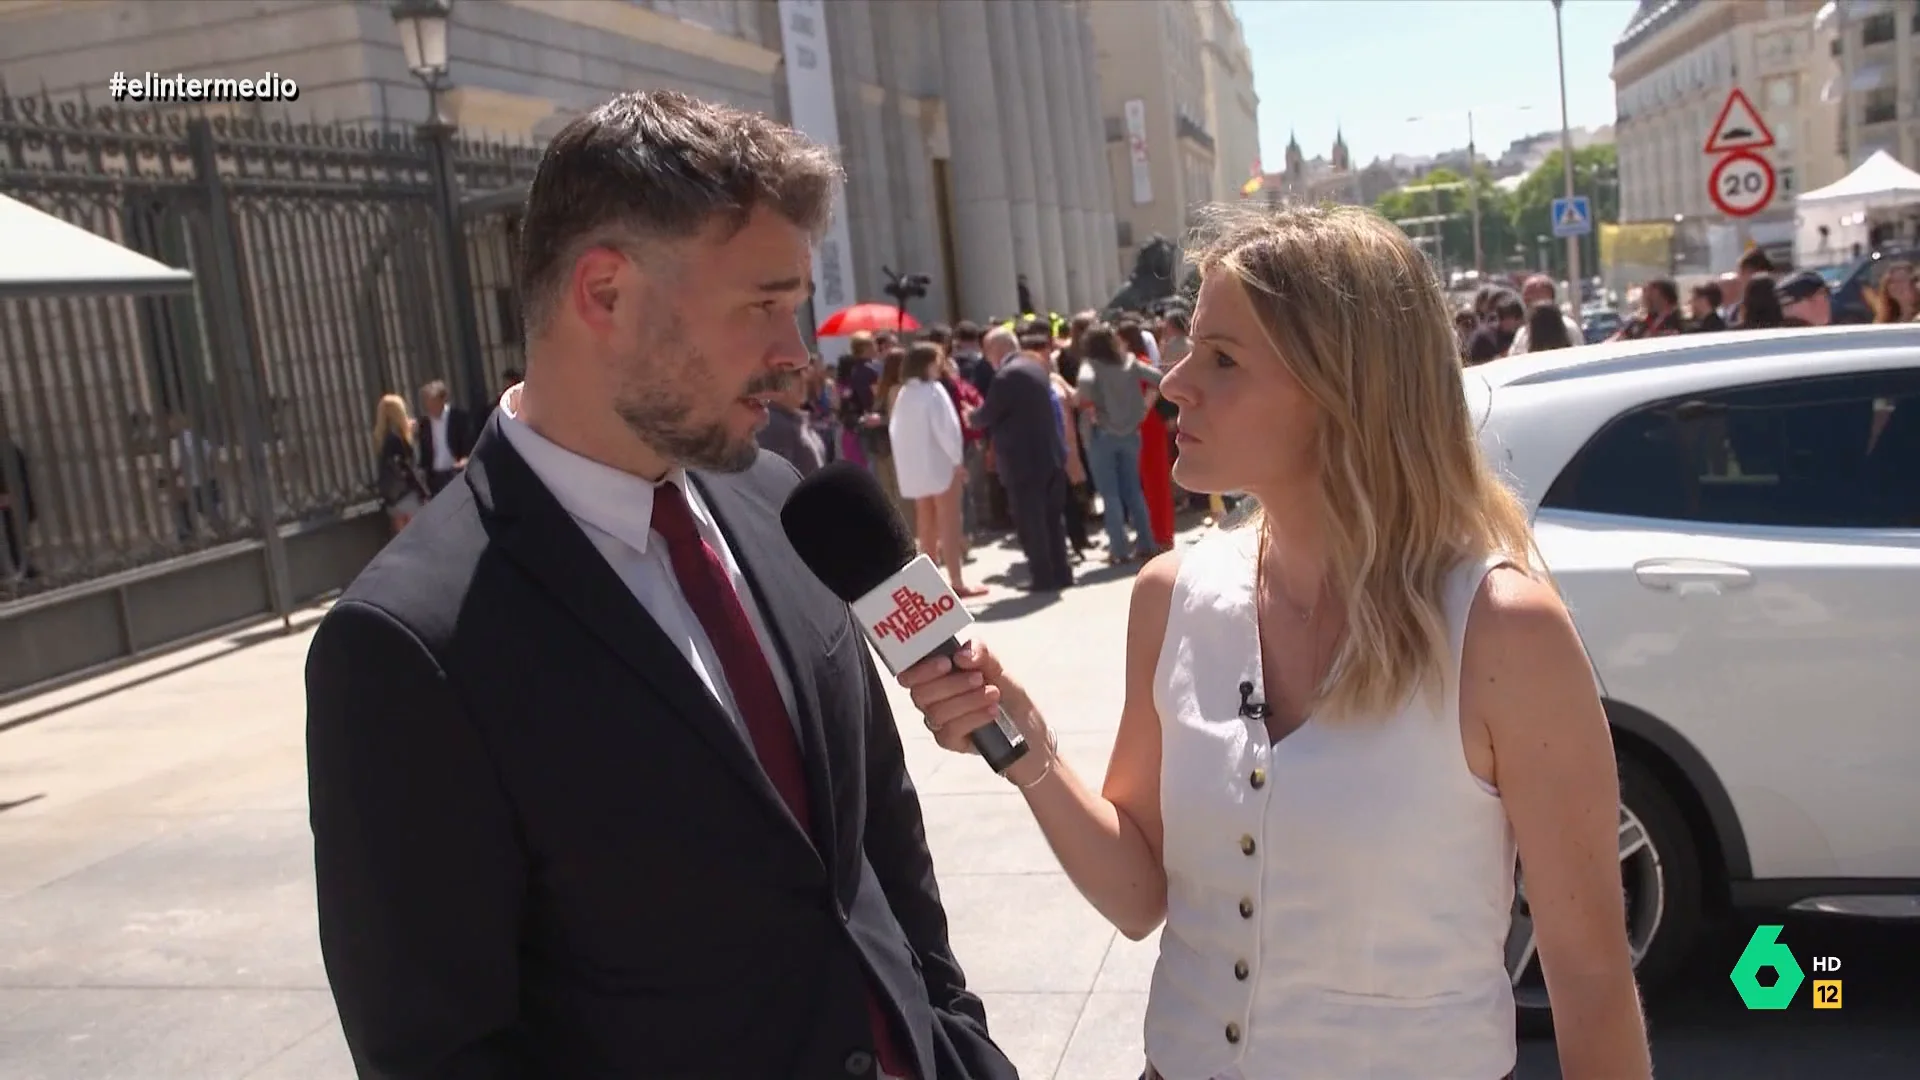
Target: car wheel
1661, 881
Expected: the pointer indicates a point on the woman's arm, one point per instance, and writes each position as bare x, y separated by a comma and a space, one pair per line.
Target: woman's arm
1525, 678
1109, 843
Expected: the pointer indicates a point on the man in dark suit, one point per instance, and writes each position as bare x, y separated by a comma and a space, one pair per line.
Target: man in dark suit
1022, 419
446, 436
603, 781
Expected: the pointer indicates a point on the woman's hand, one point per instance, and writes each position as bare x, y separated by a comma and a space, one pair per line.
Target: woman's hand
960, 696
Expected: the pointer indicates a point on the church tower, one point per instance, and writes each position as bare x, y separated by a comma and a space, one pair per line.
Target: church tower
1340, 160
1296, 161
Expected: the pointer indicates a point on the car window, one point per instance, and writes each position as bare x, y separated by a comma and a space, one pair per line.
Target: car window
1833, 452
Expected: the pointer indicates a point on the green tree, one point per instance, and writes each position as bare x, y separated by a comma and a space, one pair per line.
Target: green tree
1420, 200
1596, 175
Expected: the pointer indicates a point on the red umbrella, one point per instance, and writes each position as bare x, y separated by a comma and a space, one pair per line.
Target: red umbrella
872, 318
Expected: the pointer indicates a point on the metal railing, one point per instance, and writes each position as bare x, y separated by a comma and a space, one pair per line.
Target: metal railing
138, 430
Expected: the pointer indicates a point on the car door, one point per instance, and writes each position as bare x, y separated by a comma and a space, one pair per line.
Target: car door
1745, 566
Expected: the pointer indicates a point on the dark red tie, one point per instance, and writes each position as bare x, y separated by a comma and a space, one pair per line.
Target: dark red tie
709, 592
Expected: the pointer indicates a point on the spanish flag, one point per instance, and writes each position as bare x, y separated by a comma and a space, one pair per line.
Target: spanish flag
1255, 182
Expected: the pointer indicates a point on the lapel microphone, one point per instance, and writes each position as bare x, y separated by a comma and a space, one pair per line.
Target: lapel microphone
1249, 708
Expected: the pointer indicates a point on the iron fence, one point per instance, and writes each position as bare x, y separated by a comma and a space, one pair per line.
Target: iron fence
138, 429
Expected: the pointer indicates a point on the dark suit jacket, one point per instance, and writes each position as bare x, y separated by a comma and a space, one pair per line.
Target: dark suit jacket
544, 852
1022, 420
461, 435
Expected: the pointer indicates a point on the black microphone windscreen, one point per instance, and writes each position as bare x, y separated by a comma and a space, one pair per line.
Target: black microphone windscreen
846, 530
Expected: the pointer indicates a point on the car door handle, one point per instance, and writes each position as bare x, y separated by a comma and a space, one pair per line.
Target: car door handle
1695, 576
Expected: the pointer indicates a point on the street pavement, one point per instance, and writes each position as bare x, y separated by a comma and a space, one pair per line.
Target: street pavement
156, 884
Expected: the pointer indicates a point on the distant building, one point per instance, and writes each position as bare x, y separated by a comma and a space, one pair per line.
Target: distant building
1233, 109
1320, 180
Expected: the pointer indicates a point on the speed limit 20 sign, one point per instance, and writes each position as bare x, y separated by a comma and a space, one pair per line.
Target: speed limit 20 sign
1742, 184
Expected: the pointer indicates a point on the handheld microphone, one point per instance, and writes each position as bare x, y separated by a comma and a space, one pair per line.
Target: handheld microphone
845, 529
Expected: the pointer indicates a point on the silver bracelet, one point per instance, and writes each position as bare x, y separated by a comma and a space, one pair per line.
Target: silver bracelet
1053, 755
1045, 772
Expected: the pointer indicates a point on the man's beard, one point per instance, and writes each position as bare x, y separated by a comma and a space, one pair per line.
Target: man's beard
658, 409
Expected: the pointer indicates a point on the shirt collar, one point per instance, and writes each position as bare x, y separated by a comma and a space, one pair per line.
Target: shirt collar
616, 503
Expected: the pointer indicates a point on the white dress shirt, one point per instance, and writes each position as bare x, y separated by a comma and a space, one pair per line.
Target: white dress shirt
928, 447
442, 453
615, 510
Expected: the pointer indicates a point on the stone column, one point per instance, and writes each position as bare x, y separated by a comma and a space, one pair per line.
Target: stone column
982, 212
870, 204
1063, 108
1051, 292
1090, 135
913, 225
1107, 240
1016, 139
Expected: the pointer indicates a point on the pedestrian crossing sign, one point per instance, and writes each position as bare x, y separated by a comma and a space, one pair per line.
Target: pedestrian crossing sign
1571, 217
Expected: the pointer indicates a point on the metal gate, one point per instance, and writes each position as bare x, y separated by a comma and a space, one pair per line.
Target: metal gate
176, 465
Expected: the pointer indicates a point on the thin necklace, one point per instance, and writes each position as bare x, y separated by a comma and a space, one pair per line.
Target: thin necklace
1305, 615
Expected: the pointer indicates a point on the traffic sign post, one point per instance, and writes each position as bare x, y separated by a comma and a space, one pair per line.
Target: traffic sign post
1742, 184
1739, 127
1572, 217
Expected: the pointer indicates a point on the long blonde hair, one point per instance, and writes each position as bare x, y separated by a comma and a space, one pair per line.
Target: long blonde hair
1359, 318
392, 416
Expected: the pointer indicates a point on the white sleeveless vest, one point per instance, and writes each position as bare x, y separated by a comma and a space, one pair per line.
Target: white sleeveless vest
1338, 902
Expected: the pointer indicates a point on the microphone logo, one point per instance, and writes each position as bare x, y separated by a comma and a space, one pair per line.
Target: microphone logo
912, 613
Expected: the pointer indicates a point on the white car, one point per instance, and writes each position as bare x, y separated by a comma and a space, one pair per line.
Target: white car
1734, 521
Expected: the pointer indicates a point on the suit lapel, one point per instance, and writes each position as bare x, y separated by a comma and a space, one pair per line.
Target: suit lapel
525, 521
752, 529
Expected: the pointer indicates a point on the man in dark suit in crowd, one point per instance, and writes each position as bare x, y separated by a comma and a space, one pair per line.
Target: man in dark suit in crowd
1030, 456
446, 436
604, 783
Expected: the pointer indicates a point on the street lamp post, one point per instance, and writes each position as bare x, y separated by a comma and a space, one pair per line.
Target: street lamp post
1574, 289
423, 37
1473, 198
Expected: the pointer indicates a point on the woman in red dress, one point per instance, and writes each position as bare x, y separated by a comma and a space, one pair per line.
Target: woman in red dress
1156, 457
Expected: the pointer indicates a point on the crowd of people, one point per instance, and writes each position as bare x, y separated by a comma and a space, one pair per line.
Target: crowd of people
1757, 295
1012, 425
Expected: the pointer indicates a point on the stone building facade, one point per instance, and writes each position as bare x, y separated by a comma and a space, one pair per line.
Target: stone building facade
971, 131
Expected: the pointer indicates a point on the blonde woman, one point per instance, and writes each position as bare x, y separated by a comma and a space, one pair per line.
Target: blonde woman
1344, 721
402, 489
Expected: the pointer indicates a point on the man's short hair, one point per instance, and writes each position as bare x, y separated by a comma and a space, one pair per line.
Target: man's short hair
1756, 262
1001, 337
860, 343
1508, 305
1666, 289
1800, 285
1540, 283
658, 165
1710, 292
966, 332
434, 389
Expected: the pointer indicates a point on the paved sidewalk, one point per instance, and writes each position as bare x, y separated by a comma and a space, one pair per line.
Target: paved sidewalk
156, 882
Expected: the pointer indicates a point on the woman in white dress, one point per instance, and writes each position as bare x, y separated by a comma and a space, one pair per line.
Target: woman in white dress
1343, 722
929, 460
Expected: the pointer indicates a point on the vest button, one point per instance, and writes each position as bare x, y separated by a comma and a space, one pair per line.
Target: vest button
859, 1063
1240, 970
1246, 909
1258, 779
1233, 1033
1246, 844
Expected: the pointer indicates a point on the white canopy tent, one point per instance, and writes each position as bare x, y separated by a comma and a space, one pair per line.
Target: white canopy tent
1879, 181
1833, 221
40, 255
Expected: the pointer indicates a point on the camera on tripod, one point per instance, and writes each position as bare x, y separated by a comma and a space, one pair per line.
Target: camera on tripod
906, 288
